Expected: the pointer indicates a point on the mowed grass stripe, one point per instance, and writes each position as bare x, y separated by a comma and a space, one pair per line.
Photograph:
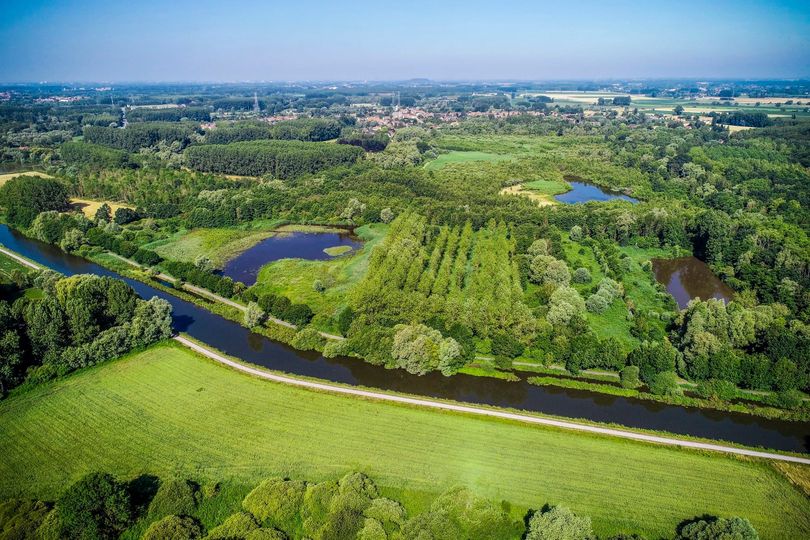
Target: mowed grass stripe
169, 411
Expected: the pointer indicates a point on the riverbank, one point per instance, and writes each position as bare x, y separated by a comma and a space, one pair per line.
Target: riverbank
746, 402
169, 411
258, 349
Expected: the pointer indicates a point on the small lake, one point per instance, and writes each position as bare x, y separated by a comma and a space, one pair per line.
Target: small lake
583, 191
689, 277
293, 245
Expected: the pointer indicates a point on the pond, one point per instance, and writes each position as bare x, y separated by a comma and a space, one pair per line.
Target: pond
236, 340
688, 277
286, 245
583, 191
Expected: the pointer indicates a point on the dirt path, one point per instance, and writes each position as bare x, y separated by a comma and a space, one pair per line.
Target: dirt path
485, 412
24, 262
199, 291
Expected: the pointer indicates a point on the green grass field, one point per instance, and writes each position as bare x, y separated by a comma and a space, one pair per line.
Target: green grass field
219, 245
547, 187
7, 266
464, 157
166, 411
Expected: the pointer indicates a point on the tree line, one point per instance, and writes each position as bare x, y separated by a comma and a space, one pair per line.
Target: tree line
300, 129
282, 159
99, 506
139, 135
74, 322
173, 114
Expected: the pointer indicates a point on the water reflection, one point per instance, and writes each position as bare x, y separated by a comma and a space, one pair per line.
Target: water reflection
688, 277
583, 191
294, 245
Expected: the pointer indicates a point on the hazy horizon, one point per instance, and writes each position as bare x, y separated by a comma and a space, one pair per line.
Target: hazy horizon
252, 42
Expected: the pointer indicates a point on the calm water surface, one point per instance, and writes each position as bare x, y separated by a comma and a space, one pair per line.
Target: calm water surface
583, 191
238, 341
688, 277
295, 245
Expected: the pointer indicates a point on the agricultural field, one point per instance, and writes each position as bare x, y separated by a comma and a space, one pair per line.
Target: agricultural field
168, 412
8, 176
89, 207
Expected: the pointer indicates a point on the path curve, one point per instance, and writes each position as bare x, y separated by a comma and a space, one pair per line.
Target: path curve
670, 441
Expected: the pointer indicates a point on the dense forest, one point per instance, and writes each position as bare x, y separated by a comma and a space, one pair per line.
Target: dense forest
283, 159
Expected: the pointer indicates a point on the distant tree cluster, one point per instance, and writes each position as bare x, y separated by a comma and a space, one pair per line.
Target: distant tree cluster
300, 129
280, 307
283, 159
94, 156
25, 197
743, 118
139, 135
174, 114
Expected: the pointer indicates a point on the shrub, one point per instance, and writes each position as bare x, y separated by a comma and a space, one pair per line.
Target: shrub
21, 518
734, 528
504, 344
596, 303
629, 377
559, 523
254, 315
147, 257
666, 384
581, 275
308, 339
265, 534
235, 526
557, 272
276, 501
652, 357
566, 303
458, 513
787, 399
344, 319
174, 496
125, 215
318, 286
96, 506
716, 388
174, 528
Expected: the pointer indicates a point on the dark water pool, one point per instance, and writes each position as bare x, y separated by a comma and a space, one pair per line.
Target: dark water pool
583, 191
294, 245
236, 340
688, 277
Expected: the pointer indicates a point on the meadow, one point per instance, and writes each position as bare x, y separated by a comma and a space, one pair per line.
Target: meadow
294, 277
6, 177
168, 412
89, 207
463, 157
218, 245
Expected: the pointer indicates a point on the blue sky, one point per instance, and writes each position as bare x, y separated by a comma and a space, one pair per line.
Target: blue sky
241, 40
